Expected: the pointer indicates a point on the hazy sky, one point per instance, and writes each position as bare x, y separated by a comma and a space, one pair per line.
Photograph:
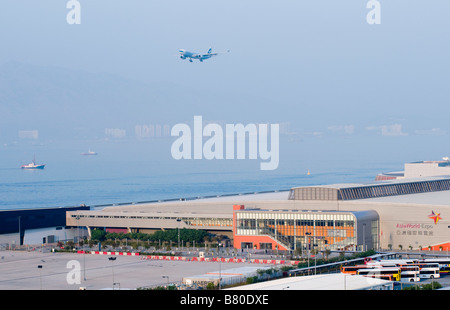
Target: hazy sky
316, 64
296, 52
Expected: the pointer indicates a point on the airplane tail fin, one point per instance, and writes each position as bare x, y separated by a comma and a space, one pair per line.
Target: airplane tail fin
209, 51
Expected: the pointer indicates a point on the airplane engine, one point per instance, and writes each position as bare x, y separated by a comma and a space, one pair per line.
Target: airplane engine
182, 57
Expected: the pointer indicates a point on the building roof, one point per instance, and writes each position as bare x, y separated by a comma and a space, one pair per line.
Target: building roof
352, 191
381, 183
441, 198
336, 281
360, 214
210, 205
227, 276
222, 207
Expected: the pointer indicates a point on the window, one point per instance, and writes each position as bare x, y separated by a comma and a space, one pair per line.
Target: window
247, 224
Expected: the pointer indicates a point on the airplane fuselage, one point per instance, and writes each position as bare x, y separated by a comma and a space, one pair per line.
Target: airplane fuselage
190, 55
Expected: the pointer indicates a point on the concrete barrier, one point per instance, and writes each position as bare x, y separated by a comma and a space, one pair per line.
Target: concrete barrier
198, 259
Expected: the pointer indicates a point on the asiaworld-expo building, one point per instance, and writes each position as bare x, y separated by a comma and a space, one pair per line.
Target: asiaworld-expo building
408, 213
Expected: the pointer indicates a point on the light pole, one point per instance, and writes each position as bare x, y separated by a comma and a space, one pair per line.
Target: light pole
308, 247
84, 265
167, 277
364, 238
112, 259
20, 239
178, 220
84, 251
315, 258
40, 274
220, 265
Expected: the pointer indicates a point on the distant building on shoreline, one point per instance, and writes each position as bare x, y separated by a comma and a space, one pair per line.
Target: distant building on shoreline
419, 169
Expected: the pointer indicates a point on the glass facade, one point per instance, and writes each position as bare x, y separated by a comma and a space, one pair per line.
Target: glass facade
299, 230
195, 222
222, 222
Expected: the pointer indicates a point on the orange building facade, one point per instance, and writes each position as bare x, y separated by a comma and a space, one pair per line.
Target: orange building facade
291, 230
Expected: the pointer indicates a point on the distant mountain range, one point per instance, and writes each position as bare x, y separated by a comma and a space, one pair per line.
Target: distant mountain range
57, 101
67, 103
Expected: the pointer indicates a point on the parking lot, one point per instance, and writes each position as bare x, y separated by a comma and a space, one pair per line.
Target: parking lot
34, 270
22, 270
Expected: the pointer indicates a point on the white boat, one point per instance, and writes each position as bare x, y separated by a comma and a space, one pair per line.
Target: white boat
33, 165
89, 153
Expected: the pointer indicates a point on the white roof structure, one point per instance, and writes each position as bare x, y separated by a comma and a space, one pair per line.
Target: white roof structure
335, 281
354, 191
228, 276
383, 182
441, 198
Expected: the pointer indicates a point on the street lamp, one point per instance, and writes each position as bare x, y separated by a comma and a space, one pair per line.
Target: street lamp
308, 246
178, 220
315, 258
84, 265
167, 279
112, 259
40, 274
20, 234
220, 264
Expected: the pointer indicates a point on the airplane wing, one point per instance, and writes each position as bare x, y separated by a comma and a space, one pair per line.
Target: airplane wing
209, 54
221, 52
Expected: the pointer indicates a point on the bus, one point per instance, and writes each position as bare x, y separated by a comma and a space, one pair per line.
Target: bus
429, 273
426, 270
354, 269
444, 264
409, 268
376, 264
392, 274
398, 261
409, 273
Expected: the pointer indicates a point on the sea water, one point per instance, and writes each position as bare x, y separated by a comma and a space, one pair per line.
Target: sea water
125, 172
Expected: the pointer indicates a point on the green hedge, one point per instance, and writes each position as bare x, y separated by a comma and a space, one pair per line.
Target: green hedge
187, 235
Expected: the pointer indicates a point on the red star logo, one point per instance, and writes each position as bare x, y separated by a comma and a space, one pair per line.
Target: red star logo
435, 217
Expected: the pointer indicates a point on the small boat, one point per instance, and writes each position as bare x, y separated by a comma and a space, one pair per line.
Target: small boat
89, 153
33, 165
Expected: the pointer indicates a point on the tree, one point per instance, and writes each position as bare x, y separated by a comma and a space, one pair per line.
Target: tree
98, 235
326, 253
424, 287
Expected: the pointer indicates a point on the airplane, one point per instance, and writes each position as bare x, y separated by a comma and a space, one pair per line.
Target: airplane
190, 55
